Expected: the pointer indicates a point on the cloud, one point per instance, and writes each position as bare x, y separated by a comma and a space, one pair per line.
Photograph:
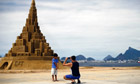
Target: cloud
94, 28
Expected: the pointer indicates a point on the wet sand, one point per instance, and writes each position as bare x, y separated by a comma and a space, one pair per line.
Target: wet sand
89, 75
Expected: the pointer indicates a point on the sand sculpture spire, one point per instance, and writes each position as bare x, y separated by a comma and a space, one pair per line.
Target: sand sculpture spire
32, 19
33, 1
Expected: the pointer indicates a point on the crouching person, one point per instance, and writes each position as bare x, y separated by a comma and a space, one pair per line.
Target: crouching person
74, 65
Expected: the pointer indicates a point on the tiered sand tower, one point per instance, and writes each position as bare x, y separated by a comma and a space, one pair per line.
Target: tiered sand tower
30, 51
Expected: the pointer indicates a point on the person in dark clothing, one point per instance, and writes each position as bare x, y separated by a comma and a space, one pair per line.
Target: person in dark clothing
74, 65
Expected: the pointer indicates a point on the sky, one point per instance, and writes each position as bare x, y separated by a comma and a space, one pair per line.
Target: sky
93, 28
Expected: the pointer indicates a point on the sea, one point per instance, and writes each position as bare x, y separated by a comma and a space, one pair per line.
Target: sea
109, 64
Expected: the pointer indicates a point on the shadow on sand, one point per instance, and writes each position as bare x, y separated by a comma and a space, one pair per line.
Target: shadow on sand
78, 83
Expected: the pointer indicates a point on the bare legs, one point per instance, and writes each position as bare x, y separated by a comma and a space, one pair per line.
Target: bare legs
53, 78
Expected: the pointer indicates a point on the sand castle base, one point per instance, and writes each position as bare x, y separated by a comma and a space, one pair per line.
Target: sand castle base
26, 63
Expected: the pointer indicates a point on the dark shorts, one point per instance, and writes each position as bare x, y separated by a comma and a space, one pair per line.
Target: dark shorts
72, 77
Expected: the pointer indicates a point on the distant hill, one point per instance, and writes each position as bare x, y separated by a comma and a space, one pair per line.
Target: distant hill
63, 58
130, 54
79, 58
108, 58
90, 59
119, 56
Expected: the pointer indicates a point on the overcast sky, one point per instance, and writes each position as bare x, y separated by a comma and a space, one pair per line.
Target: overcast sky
94, 28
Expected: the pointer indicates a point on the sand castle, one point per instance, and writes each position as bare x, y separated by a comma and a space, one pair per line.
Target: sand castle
30, 51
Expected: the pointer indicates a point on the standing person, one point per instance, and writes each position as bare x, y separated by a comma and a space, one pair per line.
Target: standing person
74, 65
54, 67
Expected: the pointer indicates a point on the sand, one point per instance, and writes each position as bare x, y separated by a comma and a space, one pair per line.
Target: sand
89, 75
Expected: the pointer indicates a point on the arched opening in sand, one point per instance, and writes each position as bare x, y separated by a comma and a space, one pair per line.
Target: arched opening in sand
4, 66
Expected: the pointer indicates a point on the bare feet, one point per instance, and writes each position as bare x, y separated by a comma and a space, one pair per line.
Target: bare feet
55, 80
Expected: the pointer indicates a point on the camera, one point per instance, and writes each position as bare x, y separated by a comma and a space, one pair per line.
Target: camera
68, 57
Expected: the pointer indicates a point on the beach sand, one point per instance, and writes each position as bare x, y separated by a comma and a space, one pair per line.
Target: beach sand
89, 75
